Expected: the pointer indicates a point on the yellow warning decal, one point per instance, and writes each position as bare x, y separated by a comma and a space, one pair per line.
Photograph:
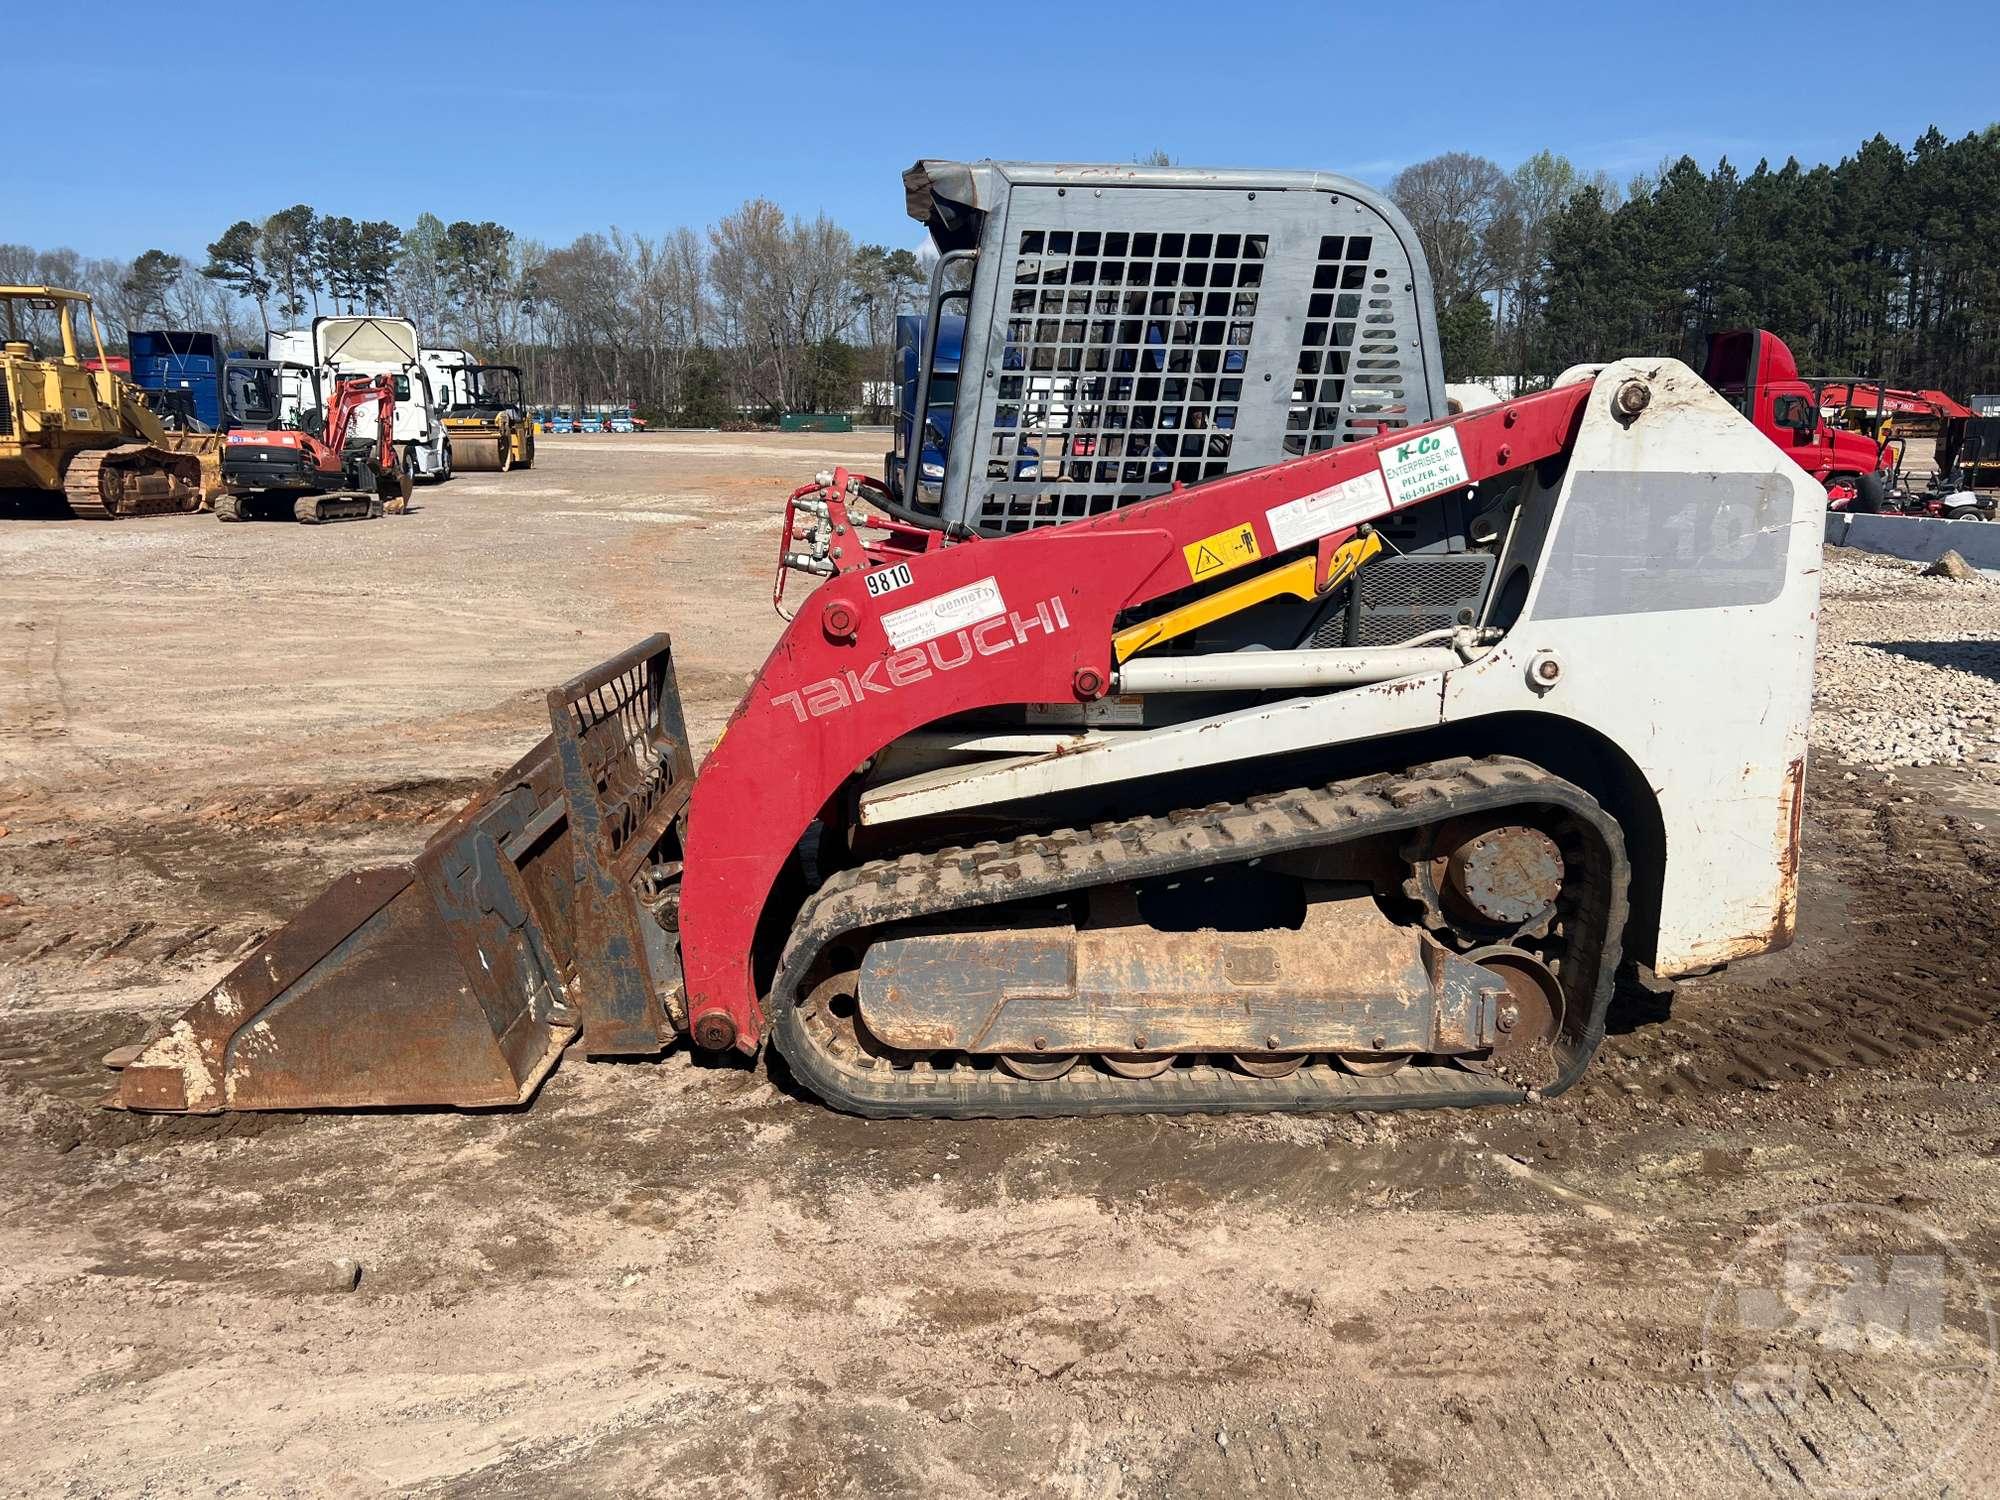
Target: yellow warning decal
1221, 552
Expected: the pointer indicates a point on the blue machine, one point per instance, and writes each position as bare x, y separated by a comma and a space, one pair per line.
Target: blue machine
174, 362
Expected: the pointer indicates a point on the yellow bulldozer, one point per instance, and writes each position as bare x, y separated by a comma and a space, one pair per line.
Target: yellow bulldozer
70, 430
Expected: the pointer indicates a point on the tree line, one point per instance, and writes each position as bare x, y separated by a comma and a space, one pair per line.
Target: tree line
1881, 263
759, 313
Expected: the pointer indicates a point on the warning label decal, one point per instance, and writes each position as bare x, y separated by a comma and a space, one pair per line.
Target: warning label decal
1311, 517
1221, 552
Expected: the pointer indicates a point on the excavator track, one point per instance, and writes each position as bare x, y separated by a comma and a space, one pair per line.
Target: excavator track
308, 510
858, 906
347, 505
109, 484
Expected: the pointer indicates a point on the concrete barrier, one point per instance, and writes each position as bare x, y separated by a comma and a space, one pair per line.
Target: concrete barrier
1918, 538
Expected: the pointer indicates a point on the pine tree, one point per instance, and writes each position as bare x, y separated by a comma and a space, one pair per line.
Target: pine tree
236, 260
145, 286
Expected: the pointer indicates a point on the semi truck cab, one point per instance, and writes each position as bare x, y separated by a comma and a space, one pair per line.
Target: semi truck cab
184, 369
370, 345
1754, 370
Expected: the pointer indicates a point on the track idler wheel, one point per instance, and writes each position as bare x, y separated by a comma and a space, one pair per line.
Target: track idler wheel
1530, 1019
836, 1012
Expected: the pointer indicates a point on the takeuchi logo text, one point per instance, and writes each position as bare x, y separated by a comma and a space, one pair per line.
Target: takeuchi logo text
914, 664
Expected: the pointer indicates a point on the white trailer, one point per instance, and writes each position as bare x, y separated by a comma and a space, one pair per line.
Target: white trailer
369, 345
451, 383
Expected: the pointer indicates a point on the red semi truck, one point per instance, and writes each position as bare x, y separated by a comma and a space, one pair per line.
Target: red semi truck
1754, 370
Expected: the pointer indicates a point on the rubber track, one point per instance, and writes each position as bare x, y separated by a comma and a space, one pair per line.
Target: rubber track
1041, 865
341, 505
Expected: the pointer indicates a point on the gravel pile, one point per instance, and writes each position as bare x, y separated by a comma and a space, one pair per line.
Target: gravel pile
1909, 667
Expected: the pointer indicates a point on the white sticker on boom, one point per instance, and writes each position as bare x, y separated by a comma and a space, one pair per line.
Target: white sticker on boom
914, 624
887, 580
1311, 517
1424, 465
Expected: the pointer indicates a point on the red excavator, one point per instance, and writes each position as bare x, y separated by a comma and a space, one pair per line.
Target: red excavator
1341, 765
287, 454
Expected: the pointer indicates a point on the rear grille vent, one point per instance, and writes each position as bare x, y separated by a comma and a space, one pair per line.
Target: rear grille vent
1404, 597
1352, 381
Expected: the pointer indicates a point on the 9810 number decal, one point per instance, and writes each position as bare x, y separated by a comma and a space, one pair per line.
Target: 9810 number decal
887, 580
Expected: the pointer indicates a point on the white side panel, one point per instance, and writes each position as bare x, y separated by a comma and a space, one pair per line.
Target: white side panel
1679, 597
450, 385
294, 344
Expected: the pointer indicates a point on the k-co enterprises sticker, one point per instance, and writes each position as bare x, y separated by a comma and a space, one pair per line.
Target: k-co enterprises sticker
1221, 552
1424, 465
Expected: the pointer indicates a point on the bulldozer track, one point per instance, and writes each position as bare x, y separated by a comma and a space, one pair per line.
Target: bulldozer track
854, 905
84, 482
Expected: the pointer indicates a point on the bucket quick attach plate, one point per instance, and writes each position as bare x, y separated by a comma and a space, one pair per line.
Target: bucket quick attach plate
627, 773
459, 977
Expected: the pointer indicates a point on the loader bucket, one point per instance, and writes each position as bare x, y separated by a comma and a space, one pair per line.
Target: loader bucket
459, 977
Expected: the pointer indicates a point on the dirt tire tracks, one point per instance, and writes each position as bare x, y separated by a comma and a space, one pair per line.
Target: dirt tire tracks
1906, 981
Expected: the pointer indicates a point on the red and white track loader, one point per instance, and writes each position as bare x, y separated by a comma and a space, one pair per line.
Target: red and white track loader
1230, 731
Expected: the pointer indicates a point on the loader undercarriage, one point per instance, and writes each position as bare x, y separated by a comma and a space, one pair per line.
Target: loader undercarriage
134, 479
1372, 1048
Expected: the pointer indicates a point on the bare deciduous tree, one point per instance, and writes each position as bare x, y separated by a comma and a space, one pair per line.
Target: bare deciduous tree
1462, 208
782, 287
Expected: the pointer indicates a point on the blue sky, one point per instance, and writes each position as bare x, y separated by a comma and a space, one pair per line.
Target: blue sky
182, 117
